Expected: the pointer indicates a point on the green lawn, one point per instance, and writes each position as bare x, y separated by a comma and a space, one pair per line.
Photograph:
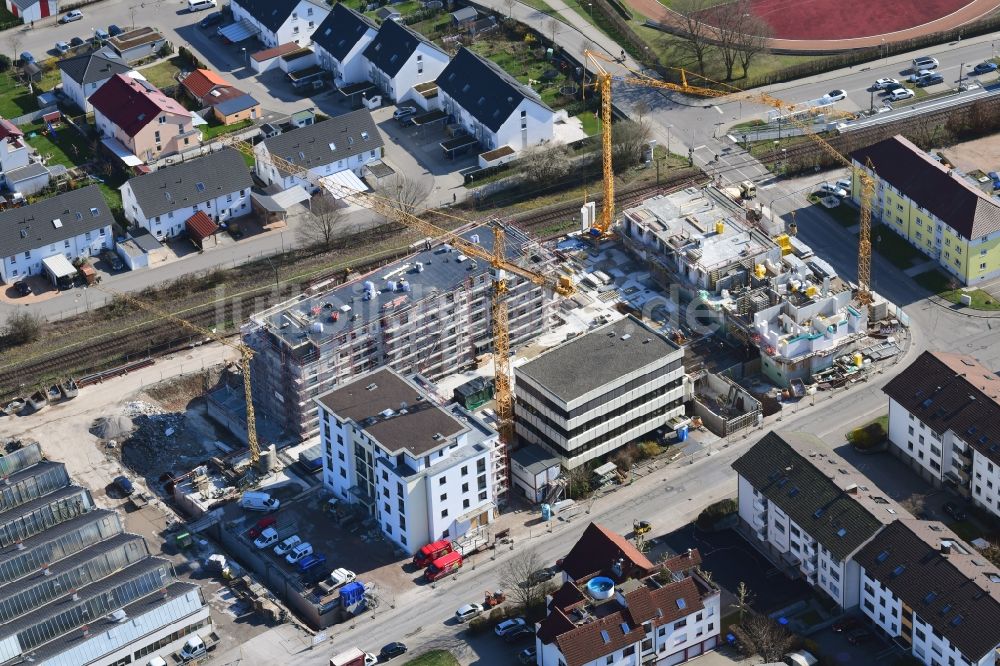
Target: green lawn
15, 100
213, 130
935, 281
433, 658
67, 148
590, 121
896, 249
947, 288
518, 60
164, 73
540, 5
966, 530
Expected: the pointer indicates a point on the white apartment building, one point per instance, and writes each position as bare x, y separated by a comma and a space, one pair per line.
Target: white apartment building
593, 394
340, 42
424, 471
217, 184
280, 21
74, 224
645, 618
808, 522
399, 58
492, 105
944, 421
931, 593
82, 75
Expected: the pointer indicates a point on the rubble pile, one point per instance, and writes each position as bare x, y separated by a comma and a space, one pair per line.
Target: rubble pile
112, 428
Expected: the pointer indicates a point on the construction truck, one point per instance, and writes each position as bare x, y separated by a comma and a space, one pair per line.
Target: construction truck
353, 657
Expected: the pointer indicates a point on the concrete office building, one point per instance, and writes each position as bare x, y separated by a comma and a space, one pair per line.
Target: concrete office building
426, 313
597, 392
423, 471
75, 587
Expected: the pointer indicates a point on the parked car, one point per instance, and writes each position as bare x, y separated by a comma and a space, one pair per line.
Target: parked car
312, 561
951, 508
836, 95
518, 634
22, 287
62, 47
930, 80
114, 30
916, 76
509, 625
889, 87
101, 35
124, 485
267, 538
403, 113
985, 67
540, 576
391, 650
527, 655
261, 525
881, 84
900, 93
299, 552
286, 546
924, 62
76, 42
70, 16
844, 184
112, 259
27, 58
468, 611
859, 636
827, 188
215, 18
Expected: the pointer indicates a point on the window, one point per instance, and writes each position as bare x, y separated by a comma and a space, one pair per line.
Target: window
465, 487
610, 659
482, 496
444, 513
465, 470
343, 473
386, 508
465, 504
481, 482
444, 497
480, 465
630, 650
162, 119
442, 480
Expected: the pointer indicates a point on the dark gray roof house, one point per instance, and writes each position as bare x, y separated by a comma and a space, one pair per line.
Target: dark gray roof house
53, 220
393, 46
272, 14
93, 67
327, 142
483, 89
341, 31
188, 183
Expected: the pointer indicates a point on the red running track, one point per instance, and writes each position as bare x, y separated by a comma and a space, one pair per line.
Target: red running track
845, 19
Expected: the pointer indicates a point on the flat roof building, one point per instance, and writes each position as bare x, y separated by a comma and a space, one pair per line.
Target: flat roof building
428, 312
424, 471
599, 391
75, 588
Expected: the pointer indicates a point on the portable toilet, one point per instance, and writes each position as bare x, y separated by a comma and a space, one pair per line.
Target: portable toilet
682, 433
352, 594
546, 512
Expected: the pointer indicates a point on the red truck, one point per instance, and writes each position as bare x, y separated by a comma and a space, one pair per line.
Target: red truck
431, 552
444, 566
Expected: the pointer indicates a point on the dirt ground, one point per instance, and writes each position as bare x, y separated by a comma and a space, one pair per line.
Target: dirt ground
982, 154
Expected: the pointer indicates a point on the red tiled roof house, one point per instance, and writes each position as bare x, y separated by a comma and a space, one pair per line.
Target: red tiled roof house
147, 122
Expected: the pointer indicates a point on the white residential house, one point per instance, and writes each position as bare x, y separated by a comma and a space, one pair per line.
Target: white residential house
281, 21
162, 202
423, 471
492, 105
944, 421
340, 42
931, 593
14, 150
809, 517
643, 619
343, 144
72, 225
399, 59
82, 75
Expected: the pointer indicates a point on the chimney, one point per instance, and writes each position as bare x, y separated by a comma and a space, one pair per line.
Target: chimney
851, 489
945, 548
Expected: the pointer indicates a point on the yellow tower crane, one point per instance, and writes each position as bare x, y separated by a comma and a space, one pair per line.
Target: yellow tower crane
606, 219
246, 355
500, 265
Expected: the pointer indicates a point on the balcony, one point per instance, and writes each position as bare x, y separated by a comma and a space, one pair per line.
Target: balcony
760, 504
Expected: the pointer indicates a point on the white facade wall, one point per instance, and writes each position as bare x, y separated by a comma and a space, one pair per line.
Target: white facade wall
529, 124
423, 503
353, 68
985, 483
297, 28
273, 176
772, 526
920, 444
881, 605
30, 185
34, 11
222, 208
80, 94
423, 65
13, 156
88, 244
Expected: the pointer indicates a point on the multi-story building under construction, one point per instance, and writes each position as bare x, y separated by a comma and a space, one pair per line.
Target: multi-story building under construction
428, 313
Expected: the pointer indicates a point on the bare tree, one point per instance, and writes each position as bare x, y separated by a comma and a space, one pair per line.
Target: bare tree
766, 637
16, 40
578, 482
642, 107
509, 6
697, 32
518, 576
752, 40
323, 225
547, 163
629, 138
403, 193
22, 327
743, 599
551, 26
729, 21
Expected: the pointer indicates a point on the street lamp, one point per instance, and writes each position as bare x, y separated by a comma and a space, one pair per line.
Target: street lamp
668, 139
246, 61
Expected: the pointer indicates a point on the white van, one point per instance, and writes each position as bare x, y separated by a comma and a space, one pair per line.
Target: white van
198, 5
258, 501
